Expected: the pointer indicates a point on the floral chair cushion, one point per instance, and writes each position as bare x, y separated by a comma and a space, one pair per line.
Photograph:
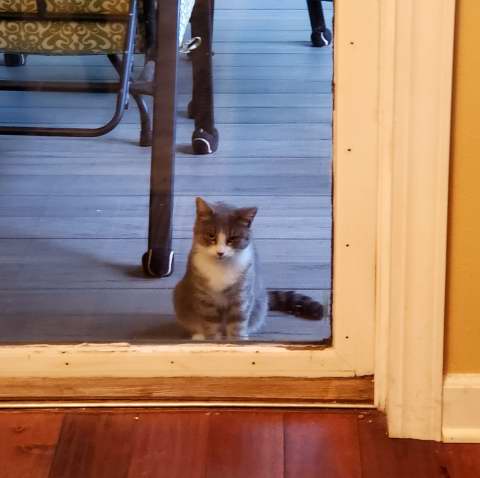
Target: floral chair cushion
72, 37
117, 7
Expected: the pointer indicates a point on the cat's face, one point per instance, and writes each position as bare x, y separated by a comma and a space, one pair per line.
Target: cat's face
222, 231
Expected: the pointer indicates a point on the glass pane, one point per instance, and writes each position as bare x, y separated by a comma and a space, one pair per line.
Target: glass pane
74, 211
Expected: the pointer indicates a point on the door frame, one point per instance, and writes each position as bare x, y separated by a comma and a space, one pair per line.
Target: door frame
417, 40
351, 353
393, 65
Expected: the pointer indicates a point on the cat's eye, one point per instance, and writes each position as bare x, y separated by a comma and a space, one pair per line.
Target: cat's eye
232, 239
211, 236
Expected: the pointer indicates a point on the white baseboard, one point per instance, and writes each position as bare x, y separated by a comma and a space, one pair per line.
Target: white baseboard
461, 408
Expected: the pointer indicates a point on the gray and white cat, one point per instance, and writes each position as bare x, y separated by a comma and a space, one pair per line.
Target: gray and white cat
222, 292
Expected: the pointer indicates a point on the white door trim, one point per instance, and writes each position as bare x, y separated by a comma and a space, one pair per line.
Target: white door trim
352, 351
415, 107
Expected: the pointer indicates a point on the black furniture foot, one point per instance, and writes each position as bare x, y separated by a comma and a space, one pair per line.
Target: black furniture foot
155, 265
321, 38
14, 59
321, 35
204, 142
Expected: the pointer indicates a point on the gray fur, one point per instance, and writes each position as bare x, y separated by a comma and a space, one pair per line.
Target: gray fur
223, 296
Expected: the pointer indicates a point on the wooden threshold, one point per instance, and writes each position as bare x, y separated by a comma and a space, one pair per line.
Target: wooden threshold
285, 390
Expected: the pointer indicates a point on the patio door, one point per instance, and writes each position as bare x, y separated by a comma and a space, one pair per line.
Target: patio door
336, 371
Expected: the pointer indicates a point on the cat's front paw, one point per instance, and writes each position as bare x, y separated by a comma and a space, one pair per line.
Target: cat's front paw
216, 336
238, 337
237, 333
198, 337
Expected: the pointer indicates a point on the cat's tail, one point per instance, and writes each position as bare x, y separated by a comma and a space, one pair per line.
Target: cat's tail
295, 304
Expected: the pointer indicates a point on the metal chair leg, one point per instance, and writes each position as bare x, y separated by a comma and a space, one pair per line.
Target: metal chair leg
145, 121
321, 35
205, 136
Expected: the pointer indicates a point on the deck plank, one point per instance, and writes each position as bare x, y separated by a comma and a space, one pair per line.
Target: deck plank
224, 116
25, 100
141, 316
114, 263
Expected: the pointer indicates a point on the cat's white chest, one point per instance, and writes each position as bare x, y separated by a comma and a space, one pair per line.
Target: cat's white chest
222, 274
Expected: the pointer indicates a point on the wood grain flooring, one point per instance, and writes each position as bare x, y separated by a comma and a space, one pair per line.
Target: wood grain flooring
73, 212
219, 443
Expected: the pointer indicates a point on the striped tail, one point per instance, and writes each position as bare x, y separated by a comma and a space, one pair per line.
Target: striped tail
295, 304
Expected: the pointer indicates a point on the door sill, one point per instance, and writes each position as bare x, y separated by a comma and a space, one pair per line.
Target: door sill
189, 391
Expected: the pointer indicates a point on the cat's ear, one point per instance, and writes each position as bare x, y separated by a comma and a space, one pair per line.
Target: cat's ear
246, 215
204, 210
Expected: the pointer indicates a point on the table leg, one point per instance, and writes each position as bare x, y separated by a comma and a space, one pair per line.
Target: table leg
205, 136
158, 260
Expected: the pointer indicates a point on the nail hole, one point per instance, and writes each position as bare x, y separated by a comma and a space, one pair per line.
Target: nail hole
347, 245
66, 363
172, 362
253, 363
347, 337
352, 43
349, 149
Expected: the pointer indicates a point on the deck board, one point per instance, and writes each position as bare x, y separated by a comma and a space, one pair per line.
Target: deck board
236, 116
114, 263
73, 212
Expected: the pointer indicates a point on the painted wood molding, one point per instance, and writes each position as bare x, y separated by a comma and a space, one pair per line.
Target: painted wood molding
415, 110
461, 408
352, 351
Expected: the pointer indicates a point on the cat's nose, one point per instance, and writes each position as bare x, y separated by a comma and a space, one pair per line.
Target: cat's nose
220, 254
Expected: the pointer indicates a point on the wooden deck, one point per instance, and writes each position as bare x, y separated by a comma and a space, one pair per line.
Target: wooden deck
73, 212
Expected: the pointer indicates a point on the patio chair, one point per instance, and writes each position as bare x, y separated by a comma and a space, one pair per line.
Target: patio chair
117, 29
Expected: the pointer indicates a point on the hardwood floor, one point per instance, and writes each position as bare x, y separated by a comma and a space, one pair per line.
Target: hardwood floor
73, 212
219, 443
